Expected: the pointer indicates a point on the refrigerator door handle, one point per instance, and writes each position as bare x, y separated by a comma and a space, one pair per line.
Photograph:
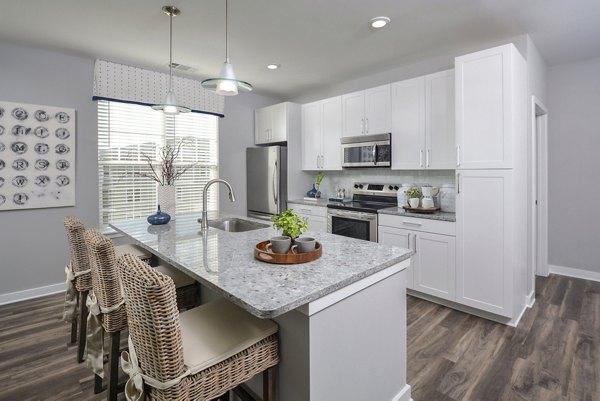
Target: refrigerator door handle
274, 180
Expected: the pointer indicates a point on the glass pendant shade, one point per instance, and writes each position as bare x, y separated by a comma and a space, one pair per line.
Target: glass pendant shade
170, 106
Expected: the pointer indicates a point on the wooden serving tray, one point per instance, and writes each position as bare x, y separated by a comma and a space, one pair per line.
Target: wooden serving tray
289, 258
421, 209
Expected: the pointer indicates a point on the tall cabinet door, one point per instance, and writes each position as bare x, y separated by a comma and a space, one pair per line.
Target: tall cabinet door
408, 124
378, 110
483, 248
353, 106
311, 135
401, 238
279, 125
331, 129
435, 268
262, 125
440, 121
483, 108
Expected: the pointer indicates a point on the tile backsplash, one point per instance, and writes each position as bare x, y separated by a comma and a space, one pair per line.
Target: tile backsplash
346, 179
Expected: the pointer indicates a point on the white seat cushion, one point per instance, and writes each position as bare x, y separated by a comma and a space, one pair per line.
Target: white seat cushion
218, 330
135, 250
179, 278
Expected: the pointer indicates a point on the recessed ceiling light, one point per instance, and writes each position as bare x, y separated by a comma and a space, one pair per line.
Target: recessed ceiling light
379, 22
273, 66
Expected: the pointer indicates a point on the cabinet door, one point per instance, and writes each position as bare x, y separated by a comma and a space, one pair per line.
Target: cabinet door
401, 238
435, 269
279, 124
483, 247
483, 109
378, 110
353, 112
331, 131
311, 135
408, 124
262, 125
317, 224
439, 121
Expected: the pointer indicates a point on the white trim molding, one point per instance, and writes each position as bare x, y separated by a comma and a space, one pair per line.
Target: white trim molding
31, 293
577, 273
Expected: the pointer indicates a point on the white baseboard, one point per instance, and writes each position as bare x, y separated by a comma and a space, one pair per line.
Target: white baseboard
530, 299
403, 395
577, 273
31, 293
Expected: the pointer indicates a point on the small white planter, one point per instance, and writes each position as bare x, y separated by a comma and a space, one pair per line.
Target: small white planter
166, 196
413, 202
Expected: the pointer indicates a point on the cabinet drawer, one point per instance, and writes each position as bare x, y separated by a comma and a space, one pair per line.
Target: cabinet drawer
417, 224
312, 210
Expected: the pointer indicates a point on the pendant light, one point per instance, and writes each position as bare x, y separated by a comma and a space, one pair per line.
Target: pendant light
170, 105
226, 84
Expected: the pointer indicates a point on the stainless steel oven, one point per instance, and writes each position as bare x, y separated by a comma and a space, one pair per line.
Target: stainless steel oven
349, 223
367, 151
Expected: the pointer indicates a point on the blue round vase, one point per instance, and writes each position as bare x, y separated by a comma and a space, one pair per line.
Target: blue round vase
312, 193
159, 218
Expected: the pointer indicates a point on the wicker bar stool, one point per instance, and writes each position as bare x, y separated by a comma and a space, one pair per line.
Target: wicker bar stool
199, 354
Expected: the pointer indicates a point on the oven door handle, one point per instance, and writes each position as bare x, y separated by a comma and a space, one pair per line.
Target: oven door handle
375, 154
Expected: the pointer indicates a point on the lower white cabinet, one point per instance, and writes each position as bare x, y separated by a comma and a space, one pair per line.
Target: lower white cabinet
433, 266
315, 216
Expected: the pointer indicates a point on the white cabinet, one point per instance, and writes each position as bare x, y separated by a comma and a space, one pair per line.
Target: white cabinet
433, 266
488, 104
367, 112
273, 124
423, 122
315, 216
321, 132
484, 254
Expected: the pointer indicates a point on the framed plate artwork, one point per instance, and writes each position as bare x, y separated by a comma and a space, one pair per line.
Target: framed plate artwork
37, 156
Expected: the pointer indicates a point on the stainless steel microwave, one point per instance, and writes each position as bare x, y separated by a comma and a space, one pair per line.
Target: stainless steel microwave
367, 151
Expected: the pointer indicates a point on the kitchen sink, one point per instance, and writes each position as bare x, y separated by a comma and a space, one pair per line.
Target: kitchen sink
235, 225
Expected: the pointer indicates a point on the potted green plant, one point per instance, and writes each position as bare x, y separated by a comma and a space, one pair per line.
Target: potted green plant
318, 180
413, 194
290, 224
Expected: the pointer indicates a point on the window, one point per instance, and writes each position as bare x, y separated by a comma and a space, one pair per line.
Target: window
126, 132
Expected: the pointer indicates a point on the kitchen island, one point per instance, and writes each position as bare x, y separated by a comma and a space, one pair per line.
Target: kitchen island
342, 318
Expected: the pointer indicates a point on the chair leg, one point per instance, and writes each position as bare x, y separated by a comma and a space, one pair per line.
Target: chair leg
74, 324
113, 366
83, 312
269, 384
97, 384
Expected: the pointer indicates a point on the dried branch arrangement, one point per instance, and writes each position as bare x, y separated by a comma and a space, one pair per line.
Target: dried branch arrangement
166, 173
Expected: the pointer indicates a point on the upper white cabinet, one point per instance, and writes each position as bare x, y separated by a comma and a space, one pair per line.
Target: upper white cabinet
367, 112
272, 123
488, 101
321, 132
423, 122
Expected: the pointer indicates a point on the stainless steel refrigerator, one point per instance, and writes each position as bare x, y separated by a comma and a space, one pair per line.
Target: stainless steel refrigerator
266, 173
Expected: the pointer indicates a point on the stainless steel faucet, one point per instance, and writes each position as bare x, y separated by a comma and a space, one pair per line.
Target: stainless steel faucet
204, 224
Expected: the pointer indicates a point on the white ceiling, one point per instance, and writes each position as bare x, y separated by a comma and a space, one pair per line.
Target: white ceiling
317, 42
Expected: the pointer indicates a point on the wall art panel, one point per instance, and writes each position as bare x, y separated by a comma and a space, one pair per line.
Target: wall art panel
37, 156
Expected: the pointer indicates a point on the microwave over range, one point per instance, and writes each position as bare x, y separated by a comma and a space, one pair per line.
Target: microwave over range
367, 151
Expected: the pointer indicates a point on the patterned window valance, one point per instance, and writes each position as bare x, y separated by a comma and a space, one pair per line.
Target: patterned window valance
113, 81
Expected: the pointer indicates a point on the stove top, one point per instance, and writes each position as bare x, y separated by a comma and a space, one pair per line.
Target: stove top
369, 198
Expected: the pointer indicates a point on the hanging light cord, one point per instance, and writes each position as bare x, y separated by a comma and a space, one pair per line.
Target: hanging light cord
226, 31
170, 50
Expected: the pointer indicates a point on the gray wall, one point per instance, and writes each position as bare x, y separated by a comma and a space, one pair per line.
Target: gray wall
236, 133
574, 165
33, 245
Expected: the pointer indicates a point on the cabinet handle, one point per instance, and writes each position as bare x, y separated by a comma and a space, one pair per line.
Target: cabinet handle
366, 125
306, 210
458, 183
415, 243
421, 158
362, 125
410, 223
427, 158
322, 161
409, 246
458, 155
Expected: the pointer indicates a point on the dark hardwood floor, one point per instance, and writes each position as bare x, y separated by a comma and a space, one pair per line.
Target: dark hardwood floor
554, 354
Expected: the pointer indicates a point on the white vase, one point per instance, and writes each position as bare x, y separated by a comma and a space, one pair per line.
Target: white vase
413, 202
166, 197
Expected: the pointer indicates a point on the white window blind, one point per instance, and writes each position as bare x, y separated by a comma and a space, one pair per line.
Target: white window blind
127, 132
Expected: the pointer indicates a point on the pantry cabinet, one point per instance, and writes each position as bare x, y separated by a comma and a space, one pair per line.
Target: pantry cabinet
423, 122
273, 124
321, 132
367, 112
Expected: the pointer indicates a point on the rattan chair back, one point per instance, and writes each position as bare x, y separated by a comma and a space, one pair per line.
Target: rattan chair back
105, 280
78, 251
154, 327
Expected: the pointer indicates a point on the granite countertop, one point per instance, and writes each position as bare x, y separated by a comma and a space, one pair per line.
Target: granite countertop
398, 211
319, 202
225, 262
